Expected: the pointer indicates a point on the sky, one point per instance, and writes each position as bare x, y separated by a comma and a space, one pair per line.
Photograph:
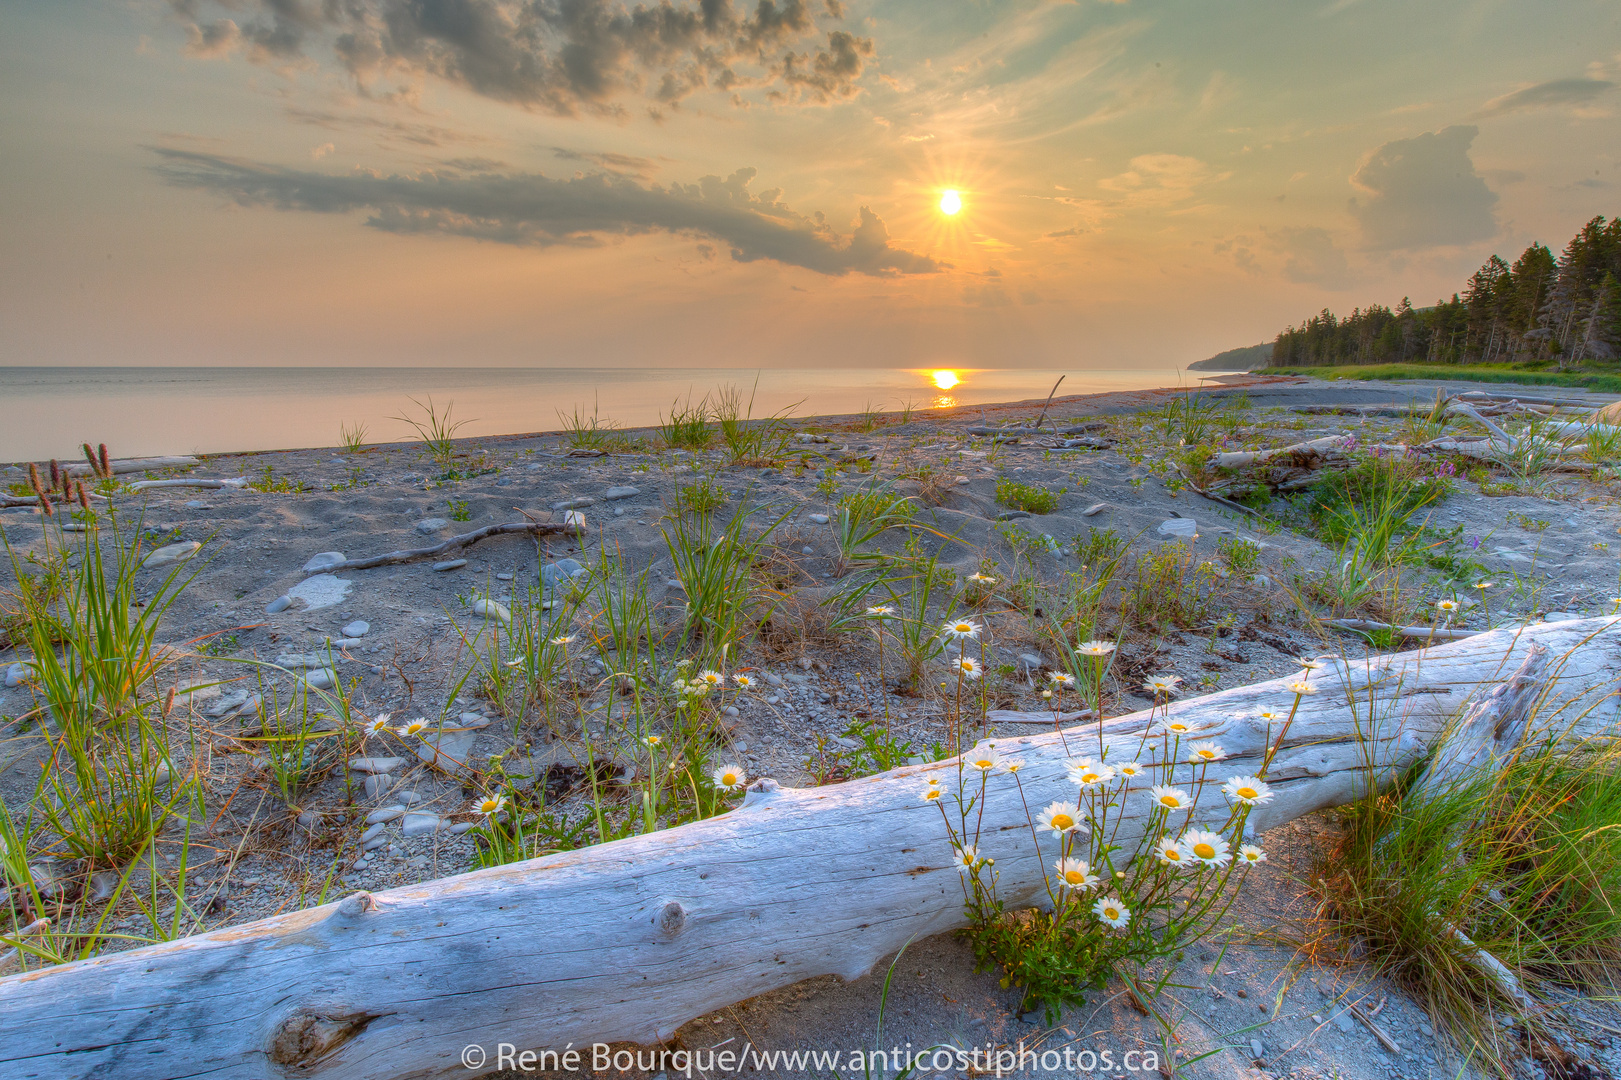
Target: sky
727, 184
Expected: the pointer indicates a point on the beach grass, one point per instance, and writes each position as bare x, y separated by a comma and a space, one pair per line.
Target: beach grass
1483, 373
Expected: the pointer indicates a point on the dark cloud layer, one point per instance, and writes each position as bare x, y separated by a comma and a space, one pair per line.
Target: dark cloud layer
563, 56
533, 210
1548, 95
1424, 192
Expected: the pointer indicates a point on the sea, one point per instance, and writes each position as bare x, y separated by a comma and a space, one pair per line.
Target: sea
145, 411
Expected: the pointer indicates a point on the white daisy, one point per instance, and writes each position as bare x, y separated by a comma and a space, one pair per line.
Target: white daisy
983, 757
564, 639
730, 778
1165, 684
968, 667
1308, 663
1447, 606
1174, 727
1060, 819
882, 611
490, 805
967, 858
1301, 687
981, 579
1201, 752
1059, 678
710, 678
1249, 790
379, 725
744, 681
1129, 769
1089, 773
1095, 648
1206, 846
1112, 912
960, 628
1250, 855
415, 727
1171, 852
1075, 874
1170, 798
932, 793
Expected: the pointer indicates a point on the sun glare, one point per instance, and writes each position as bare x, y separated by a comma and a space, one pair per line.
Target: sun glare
950, 202
945, 380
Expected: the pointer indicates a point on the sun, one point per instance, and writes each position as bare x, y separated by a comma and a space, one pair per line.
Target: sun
945, 380
950, 202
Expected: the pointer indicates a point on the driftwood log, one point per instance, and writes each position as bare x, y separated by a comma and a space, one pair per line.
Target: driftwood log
628, 941
573, 526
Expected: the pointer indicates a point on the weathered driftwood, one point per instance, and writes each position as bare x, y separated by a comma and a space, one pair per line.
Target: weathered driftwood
191, 482
456, 543
629, 940
130, 465
1492, 728
1427, 633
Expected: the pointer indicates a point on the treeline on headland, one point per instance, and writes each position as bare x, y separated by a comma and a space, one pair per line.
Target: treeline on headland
1565, 310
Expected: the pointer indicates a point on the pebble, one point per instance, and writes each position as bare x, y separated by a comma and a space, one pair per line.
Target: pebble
503, 577
196, 504
410, 798
448, 751
1094, 509
171, 553
103, 883
372, 833
278, 605
449, 564
323, 679
1257, 1049
16, 674
1010, 515
820, 519
574, 517
323, 562
1343, 1021
375, 842
624, 491
320, 591
619, 511
357, 629
472, 721
301, 660
375, 764
575, 503
431, 525
378, 784
806, 551
559, 572
422, 824
1178, 526
387, 813
492, 610
462, 827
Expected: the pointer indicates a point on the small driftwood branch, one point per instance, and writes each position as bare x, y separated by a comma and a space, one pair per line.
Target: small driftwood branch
147, 485
1315, 449
1432, 633
456, 543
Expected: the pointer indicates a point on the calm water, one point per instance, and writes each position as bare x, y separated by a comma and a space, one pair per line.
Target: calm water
143, 411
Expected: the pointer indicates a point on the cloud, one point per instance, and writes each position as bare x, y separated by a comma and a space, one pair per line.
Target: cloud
624, 164
532, 210
1424, 192
1311, 257
1549, 95
559, 56
388, 131
1157, 180
322, 151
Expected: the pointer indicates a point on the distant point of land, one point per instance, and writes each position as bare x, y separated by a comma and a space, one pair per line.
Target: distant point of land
1248, 358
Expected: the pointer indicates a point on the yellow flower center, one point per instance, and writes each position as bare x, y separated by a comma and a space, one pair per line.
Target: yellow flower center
1063, 821
728, 779
1111, 913
1074, 877
1170, 800
1205, 851
1173, 855
1247, 793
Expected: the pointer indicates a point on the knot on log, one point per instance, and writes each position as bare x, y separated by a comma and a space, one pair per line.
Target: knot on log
356, 904
672, 917
760, 790
307, 1036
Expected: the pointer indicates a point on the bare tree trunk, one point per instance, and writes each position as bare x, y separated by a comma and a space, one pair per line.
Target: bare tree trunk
629, 940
